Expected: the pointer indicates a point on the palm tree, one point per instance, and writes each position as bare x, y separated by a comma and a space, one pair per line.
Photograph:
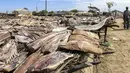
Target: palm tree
110, 4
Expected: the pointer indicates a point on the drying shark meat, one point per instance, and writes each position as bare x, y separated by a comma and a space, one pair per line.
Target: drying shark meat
13, 49
4, 36
83, 41
82, 46
23, 39
10, 56
49, 63
83, 38
41, 42
48, 59
30, 52
27, 63
50, 42
46, 48
90, 35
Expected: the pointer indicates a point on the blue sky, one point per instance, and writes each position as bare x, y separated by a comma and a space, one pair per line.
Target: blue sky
31, 4
60, 4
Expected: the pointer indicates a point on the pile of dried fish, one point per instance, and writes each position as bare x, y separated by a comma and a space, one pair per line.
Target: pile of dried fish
37, 49
51, 22
26, 51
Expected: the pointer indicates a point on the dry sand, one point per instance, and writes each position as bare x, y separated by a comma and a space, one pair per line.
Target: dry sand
119, 62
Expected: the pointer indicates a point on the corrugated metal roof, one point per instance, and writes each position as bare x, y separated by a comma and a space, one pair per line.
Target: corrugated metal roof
22, 11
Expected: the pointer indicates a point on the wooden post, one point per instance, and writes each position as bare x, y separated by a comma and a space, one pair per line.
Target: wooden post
105, 36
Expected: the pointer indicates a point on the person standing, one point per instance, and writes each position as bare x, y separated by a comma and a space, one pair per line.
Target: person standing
126, 17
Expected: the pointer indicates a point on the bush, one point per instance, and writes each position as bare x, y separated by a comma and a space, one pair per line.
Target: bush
51, 13
42, 13
74, 11
34, 13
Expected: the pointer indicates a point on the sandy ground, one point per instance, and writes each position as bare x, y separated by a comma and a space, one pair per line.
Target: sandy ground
119, 62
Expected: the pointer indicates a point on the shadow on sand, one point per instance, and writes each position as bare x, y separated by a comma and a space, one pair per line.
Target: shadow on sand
119, 29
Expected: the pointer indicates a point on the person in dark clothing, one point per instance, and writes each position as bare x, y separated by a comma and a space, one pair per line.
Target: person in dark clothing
126, 17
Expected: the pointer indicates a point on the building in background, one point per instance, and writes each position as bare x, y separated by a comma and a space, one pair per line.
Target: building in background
117, 14
22, 12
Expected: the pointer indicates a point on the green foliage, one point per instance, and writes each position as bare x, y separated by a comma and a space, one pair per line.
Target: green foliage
51, 13
74, 11
43, 12
34, 13
110, 4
